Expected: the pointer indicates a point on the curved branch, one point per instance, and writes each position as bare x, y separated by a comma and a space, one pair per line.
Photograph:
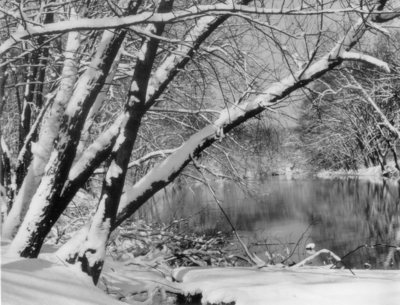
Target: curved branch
176, 16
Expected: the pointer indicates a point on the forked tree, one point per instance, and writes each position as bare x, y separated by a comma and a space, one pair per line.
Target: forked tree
65, 63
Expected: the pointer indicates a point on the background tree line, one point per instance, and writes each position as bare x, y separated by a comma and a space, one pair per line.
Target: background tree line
351, 116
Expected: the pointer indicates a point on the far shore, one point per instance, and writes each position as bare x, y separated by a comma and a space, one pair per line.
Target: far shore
372, 173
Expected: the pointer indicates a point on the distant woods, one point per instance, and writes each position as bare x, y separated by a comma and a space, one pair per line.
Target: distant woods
351, 116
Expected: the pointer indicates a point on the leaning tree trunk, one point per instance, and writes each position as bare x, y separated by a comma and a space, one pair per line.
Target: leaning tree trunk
32, 103
49, 131
44, 209
5, 168
6, 180
92, 253
396, 159
96, 107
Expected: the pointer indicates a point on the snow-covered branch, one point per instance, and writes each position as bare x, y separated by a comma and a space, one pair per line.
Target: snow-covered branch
153, 154
160, 79
162, 174
185, 111
103, 142
306, 260
151, 17
97, 105
352, 56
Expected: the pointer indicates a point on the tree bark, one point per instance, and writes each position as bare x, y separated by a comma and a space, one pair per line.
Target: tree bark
32, 103
91, 255
5, 174
45, 209
48, 134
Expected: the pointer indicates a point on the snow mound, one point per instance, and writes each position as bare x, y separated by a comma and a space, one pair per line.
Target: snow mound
44, 281
40, 282
308, 285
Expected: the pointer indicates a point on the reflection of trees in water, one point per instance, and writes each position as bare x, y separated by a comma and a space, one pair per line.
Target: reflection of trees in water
179, 202
382, 215
369, 214
353, 212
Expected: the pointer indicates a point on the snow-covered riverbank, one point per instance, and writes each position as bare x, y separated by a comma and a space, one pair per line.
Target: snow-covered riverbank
46, 281
372, 173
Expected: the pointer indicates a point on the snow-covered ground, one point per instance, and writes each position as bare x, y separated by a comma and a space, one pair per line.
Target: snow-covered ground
38, 281
46, 281
309, 285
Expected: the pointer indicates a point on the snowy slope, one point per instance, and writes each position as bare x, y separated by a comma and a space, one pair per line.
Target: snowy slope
308, 286
39, 281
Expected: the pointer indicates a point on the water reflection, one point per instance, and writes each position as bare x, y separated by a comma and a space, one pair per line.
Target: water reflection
348, 213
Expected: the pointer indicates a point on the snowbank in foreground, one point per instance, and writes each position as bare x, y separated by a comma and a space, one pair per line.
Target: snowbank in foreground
279, 286
39, 281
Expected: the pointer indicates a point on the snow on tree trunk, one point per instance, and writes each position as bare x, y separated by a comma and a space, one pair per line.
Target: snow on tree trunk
25, 125
32, 103
48, 133
6, 192
92, 253
45, 209
70, 254
96, 107
91, 159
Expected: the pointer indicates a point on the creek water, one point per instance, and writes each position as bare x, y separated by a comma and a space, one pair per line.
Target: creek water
282, 216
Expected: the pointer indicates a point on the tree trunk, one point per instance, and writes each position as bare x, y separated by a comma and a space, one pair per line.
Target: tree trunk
92, 254
101, 148
32, 102
5, 168
5, 174
45, 209
396, 160
48, 134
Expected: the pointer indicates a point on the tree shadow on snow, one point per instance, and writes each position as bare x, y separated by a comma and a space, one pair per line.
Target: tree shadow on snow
27, 265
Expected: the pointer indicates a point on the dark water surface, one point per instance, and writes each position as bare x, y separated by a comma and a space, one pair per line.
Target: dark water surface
346, 213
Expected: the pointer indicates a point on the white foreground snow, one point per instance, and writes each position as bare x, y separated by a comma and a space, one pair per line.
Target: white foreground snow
303, 286
39, 281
